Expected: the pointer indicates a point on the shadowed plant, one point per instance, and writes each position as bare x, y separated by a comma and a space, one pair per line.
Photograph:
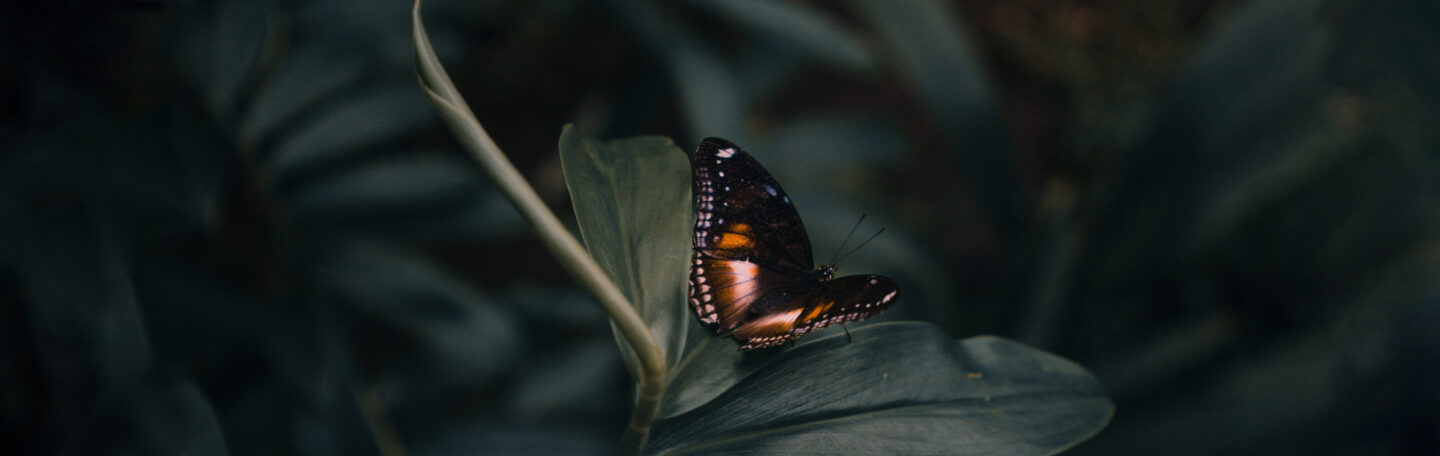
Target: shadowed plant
901, 388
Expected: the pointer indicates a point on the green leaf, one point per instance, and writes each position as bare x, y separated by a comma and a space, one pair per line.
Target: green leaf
632, 201
369, 28
78, 288
895, 388
828, 152
78, 292
367, 119
711, 94
578, 379
463, 334
805, 29
309, 75
488, 437
405, 186
1277, 189
159, 416
221, 48
1253, 135
931, 48
240, 31
711, 365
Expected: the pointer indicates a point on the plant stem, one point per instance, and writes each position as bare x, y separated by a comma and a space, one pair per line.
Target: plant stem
457, 115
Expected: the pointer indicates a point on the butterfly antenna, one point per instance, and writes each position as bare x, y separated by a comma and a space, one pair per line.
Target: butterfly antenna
862, 245
836, 258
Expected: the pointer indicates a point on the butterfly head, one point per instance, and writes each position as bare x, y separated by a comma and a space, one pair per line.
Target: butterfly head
826, 272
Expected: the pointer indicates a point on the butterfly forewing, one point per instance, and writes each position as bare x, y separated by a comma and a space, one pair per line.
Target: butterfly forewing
741, 212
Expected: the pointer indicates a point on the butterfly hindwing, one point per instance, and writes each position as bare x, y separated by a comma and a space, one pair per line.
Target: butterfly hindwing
722, 291
831, 302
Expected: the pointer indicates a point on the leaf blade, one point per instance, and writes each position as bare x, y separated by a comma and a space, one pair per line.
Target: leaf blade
632, 202
871, 394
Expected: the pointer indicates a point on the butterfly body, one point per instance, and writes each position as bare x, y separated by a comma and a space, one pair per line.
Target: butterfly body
752, 273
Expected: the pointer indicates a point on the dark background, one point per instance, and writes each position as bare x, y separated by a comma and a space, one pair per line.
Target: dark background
238, 227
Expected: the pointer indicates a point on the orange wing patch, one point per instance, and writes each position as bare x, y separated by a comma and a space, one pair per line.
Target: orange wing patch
817, 310
733, 282
733, 241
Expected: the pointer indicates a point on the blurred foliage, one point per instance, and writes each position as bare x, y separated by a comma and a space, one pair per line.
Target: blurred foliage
236, 226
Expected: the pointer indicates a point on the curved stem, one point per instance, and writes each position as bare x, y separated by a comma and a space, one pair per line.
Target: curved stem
457, 115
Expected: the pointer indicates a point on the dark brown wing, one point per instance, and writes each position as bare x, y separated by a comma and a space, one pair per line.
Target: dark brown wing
742, 213
749, 241
836, 301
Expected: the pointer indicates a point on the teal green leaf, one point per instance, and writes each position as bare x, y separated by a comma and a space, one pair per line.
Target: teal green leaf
895, 388
159, 416
804, 28
632, 201
464, 334
309, 75
240, 31
394, 187
711, 94
828, 153
931, 48
222, 48
369, 118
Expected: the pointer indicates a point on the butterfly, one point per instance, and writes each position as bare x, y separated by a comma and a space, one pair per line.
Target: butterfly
753, 274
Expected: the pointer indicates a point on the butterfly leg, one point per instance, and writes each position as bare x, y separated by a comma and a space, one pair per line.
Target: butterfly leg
847, 333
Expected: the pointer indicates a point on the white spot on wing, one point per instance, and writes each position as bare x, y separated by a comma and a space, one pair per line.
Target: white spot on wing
725, 153
890, 296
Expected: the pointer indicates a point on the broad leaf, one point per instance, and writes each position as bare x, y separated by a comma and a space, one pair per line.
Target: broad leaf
632, 200
930, 46
462, 334
805, 29
308, 76
369, 118
413, 187
711, 94
894, 388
